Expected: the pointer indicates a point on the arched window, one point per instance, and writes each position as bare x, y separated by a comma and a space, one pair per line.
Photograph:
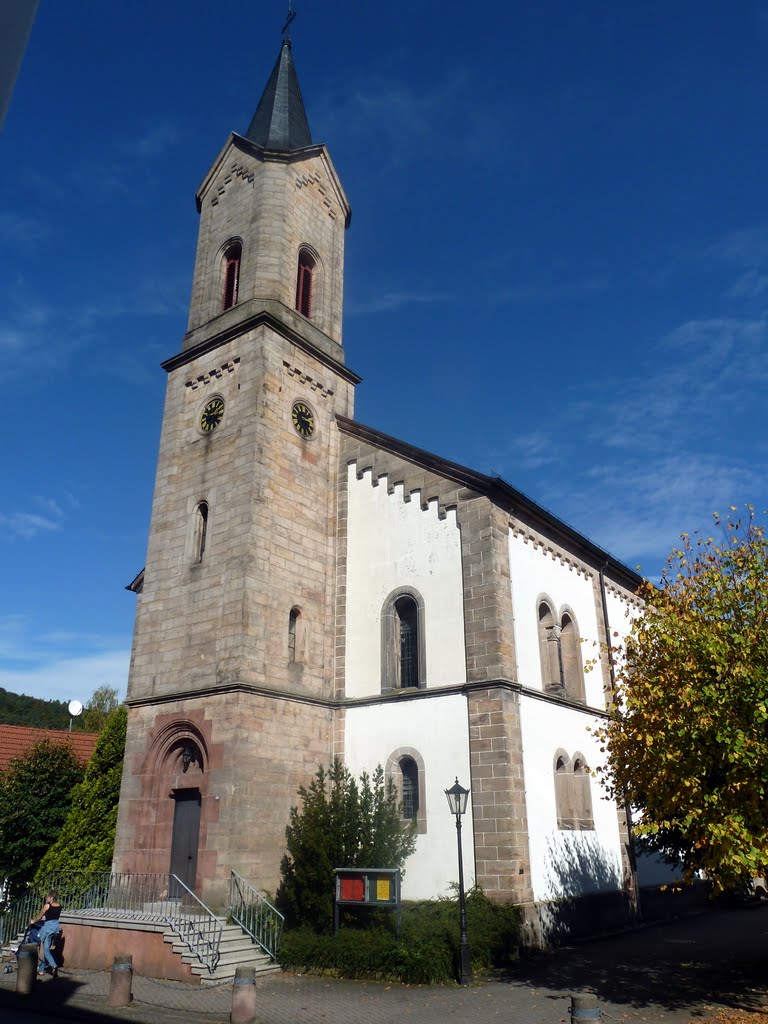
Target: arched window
570, 658
230, 266
297, 638
563, 790
410, 772
582, 794
200, 531
407, 612
304, 275
573, 793
549, 649
405, 771
403, 661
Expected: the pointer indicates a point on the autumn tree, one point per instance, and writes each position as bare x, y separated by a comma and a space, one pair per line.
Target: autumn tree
87, 839
688, 746
341, 823
35, 796
98, 709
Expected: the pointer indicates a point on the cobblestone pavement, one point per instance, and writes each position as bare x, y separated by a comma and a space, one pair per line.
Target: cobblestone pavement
667, 974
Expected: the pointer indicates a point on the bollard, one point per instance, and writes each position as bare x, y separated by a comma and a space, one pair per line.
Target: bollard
120, 980
584, 1007
26, 970
243, 996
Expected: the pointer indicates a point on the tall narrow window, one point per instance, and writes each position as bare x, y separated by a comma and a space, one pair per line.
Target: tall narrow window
201, 531
403, 647
582, 795
549, 649
410, 772
231, 273
407, 613
304, 275
293, 620
405, 771
563, 788
570, 657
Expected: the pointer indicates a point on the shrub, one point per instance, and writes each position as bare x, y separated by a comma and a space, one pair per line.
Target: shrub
340, 824
427, 952
35, 797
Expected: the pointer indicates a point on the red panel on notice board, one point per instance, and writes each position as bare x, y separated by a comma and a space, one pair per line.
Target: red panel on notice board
352, 889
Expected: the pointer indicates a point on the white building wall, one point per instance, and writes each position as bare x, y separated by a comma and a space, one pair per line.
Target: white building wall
565, 863
535, 572
394, 543
437, 728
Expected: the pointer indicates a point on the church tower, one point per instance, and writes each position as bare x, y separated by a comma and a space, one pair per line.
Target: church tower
232, 669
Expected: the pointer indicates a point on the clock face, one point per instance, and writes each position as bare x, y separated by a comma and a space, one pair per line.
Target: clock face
212, 415
303, 419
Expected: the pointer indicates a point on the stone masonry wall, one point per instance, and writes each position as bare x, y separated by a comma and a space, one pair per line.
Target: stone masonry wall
257, 751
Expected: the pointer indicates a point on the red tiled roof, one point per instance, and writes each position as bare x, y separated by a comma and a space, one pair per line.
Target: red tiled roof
18, 740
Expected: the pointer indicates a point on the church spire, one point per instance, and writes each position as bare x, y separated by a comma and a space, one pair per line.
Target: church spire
280, 121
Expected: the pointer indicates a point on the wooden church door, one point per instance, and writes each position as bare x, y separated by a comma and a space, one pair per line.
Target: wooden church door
186, 833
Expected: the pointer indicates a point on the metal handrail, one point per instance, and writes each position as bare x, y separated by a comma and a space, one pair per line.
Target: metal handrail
255, 914
164, 899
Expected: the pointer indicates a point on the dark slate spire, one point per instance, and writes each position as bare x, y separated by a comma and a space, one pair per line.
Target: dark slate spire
280, 121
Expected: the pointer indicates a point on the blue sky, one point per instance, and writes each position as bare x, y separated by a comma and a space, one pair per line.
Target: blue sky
557, 268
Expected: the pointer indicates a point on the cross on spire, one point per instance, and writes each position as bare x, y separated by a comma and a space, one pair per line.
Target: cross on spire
286, 29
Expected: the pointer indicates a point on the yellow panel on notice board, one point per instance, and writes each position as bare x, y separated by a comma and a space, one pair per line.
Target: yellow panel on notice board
383, 889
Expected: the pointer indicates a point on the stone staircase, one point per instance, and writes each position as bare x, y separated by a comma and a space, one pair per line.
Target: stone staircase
237, 949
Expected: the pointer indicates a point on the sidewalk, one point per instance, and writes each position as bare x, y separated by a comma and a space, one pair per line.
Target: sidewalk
665, 974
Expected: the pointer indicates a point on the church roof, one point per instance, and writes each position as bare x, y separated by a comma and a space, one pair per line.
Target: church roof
280, 121
18, 740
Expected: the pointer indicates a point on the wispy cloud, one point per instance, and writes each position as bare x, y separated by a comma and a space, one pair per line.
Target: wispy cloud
28, 525
66, 678
156, 140
640, 463
59, 664
389, 302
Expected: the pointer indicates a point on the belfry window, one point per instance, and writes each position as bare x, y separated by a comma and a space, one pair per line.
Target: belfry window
231, 275
304, 275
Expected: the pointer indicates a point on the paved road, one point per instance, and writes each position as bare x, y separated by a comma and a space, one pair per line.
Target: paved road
666, 974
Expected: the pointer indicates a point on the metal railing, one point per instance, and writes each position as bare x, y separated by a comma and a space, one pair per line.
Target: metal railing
164, 899
255, 914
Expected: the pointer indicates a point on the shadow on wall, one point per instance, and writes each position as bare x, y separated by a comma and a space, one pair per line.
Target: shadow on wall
586, 883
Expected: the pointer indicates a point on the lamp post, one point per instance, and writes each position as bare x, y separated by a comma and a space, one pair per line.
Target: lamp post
457, 801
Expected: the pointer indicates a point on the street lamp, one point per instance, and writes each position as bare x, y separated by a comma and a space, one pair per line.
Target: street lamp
457, 801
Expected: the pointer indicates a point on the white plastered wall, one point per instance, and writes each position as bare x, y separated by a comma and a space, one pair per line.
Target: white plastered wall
395, 543
437, 728
536, 572
565, 863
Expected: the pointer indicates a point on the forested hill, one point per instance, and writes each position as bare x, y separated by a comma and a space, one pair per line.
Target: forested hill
18, 709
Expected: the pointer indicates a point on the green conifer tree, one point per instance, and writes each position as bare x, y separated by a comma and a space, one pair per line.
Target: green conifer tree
87, 840
340, 824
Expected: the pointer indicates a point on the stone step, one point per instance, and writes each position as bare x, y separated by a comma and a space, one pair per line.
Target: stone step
227, 973
243, 957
